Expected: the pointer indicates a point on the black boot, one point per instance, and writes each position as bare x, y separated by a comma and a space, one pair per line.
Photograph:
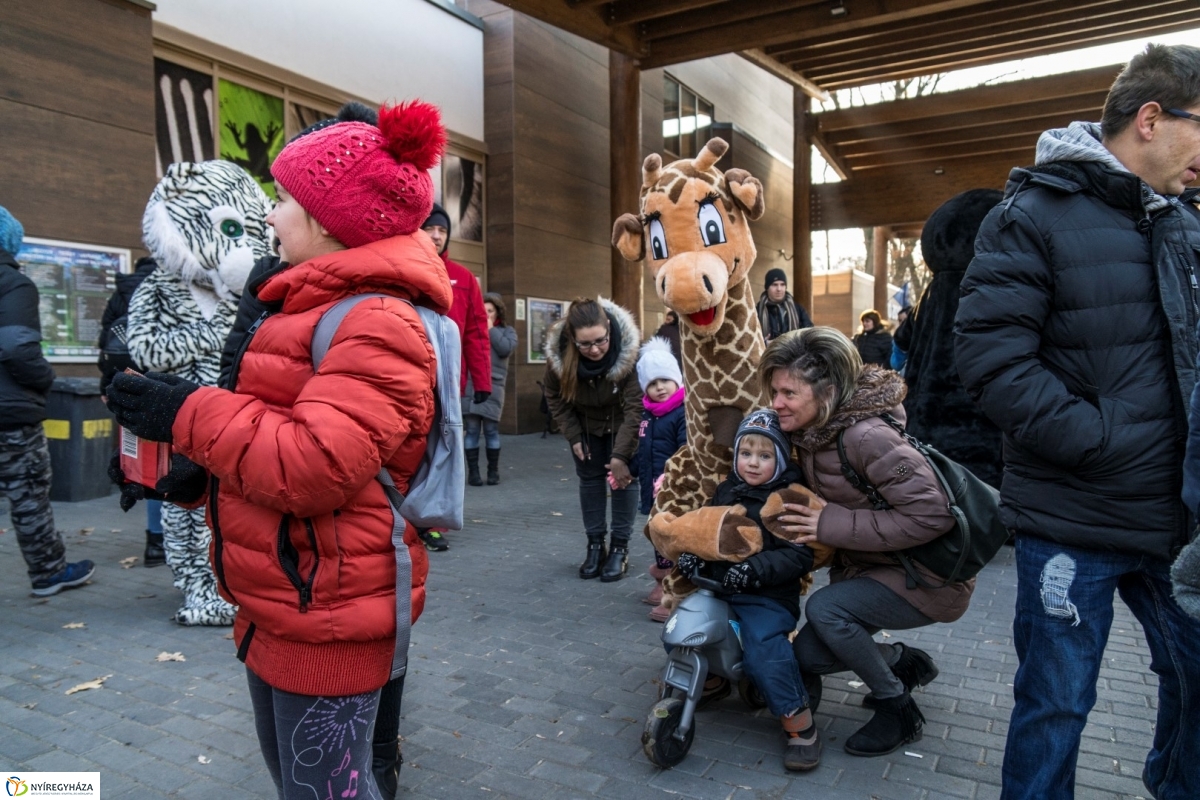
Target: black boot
386, 761
493, 458
473, 468
914, 668
897, 722
590, 568
616, 563
154, 556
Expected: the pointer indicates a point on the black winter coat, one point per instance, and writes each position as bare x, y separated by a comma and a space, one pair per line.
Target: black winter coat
875, 347
250, 308
780, 564
658, 439
25, 374
1076, 334
118, 306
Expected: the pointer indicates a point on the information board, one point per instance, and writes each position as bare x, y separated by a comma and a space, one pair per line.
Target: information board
74, 282
542, 314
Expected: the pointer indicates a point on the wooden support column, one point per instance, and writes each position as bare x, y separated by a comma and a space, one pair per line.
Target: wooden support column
802, 284
625, 169
879, 258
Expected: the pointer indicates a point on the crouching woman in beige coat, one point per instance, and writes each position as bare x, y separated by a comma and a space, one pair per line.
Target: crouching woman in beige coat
820, 389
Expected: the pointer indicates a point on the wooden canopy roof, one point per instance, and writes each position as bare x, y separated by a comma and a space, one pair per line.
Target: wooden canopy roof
831, 44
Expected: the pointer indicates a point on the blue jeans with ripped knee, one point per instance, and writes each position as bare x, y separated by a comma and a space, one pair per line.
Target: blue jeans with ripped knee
1063, 615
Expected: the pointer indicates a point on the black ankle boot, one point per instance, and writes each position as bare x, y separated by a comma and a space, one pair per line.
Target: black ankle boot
590, 568
493, 459
897, 722
473, 468
914, 668
616, 563
154, 556
386, 761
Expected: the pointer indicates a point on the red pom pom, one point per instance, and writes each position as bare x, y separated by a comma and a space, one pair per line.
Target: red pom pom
414, 133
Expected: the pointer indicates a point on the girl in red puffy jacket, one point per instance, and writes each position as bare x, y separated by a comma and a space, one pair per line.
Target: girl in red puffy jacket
302, 529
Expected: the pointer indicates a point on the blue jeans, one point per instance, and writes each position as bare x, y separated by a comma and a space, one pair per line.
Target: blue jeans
1064, 612
767, 654
491, 432
154, 516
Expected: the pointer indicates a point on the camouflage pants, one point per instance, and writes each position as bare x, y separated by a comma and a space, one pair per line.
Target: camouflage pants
25, 481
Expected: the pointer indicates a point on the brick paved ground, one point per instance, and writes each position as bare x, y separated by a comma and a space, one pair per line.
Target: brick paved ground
524, 682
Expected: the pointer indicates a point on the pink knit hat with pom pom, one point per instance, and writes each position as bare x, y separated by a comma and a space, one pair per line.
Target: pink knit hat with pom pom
365, 183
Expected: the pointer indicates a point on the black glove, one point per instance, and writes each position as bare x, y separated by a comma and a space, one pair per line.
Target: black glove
481, 397
147, 405
741, 577
185, 483
689, 564
130, 492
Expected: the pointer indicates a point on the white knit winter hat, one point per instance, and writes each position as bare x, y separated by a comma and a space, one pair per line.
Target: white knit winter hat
657, 361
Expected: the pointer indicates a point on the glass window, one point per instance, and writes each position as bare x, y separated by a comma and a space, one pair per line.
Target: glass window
687, 119
687, 123
704, 121
670, 115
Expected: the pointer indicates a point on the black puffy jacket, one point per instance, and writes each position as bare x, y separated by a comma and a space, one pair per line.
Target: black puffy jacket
110, 363
875, 347
25, 375
1076, 335
250, 308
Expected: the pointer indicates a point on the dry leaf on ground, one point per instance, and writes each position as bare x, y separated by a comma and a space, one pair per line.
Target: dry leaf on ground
86, 531
83, 687
126, 563
165, 656
556, 513
72, 625
204, 759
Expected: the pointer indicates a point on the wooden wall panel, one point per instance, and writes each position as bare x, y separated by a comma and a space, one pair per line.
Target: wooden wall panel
565, 69
556, 201
559, 138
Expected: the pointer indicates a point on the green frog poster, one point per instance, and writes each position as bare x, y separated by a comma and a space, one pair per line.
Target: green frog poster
251, 130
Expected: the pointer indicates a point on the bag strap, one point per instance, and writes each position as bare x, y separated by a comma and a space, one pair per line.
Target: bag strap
857, 479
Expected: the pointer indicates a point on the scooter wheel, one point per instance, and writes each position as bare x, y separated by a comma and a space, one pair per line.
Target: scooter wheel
751, 696
658, 739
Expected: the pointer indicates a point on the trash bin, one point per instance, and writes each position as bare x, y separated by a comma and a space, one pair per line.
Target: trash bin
81, 435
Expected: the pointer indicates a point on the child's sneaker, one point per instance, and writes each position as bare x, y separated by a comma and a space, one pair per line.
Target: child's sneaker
68, 577
434, 540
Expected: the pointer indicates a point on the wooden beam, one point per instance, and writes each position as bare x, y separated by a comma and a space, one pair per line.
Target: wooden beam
832, 157
802, 124
586, 3
764, 61
584, 21
969, 101
769, 29
719, 18
629, 12
625, 136
879, 268
1019, 148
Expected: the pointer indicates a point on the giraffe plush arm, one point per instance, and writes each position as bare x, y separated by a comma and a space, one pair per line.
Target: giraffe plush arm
773, 509
714, 533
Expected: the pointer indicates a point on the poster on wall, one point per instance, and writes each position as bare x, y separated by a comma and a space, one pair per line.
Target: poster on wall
462, 197
251, 130
541, 315
183, 113
300, 117
74, 282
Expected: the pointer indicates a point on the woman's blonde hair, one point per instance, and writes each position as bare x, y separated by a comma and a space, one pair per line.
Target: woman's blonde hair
821, 357
583, 313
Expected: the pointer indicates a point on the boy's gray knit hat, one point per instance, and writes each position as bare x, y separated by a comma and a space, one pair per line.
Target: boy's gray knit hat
765, 422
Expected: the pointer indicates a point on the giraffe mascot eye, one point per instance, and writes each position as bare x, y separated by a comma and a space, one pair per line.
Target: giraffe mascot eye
658, 241
712, 228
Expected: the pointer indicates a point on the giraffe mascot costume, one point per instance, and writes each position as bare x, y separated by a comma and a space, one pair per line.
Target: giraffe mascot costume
694, 233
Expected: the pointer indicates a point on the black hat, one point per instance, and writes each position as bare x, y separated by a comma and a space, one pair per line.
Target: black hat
773, 275
948, 240
353, 111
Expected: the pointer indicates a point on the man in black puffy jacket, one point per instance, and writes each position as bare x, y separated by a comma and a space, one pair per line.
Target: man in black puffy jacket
1076, 335
25, 378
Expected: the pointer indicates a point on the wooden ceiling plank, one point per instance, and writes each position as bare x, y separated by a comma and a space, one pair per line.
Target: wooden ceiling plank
1067, 84
772, 29
1067, 36
763, 61
1003, 56
1024, 145
707, 19
582, 20
629, 12
832, 157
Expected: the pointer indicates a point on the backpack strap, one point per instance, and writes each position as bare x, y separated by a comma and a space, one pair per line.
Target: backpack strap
857, 479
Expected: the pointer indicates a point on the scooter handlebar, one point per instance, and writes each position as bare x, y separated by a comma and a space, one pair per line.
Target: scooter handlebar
707, 583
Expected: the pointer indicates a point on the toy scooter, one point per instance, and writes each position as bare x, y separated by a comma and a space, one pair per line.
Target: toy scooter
703, 639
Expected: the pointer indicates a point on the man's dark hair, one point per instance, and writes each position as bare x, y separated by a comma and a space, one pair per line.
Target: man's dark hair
1165, 74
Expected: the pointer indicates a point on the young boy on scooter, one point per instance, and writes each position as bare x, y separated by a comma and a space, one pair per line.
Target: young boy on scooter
765, 588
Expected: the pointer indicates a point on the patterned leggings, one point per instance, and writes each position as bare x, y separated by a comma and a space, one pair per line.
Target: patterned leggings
185, 539
316, 747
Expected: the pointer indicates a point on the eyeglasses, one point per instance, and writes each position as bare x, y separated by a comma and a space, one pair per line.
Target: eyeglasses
594, 345
1178, 112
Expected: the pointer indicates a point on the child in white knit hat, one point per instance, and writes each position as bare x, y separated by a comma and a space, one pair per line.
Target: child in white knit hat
663, 431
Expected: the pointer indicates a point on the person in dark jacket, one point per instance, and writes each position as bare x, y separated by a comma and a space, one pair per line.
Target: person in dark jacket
486, 415
25, 379
663, 431
1076, 335
939, 411
778, 311
669, 330
765, 587
592, 390
874, 343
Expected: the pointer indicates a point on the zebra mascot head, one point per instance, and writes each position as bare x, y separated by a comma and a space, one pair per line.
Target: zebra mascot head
207, 222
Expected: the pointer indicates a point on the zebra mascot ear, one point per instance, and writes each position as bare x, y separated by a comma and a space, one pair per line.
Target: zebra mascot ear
207, 223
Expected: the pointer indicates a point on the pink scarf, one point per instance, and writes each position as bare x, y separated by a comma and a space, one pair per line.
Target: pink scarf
666, 406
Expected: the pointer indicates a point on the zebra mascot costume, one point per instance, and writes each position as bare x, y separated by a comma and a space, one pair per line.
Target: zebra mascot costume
206, 225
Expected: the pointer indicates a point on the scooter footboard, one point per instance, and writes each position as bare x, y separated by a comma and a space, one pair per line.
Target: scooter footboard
686, 670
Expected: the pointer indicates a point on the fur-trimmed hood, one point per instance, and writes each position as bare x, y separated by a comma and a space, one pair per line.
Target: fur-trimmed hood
557, 341
879, 391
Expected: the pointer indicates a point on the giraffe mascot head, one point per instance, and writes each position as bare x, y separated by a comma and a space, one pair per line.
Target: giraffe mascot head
694, 232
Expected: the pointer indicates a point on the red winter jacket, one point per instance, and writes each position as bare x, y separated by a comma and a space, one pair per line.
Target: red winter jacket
297, 455
470, 315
